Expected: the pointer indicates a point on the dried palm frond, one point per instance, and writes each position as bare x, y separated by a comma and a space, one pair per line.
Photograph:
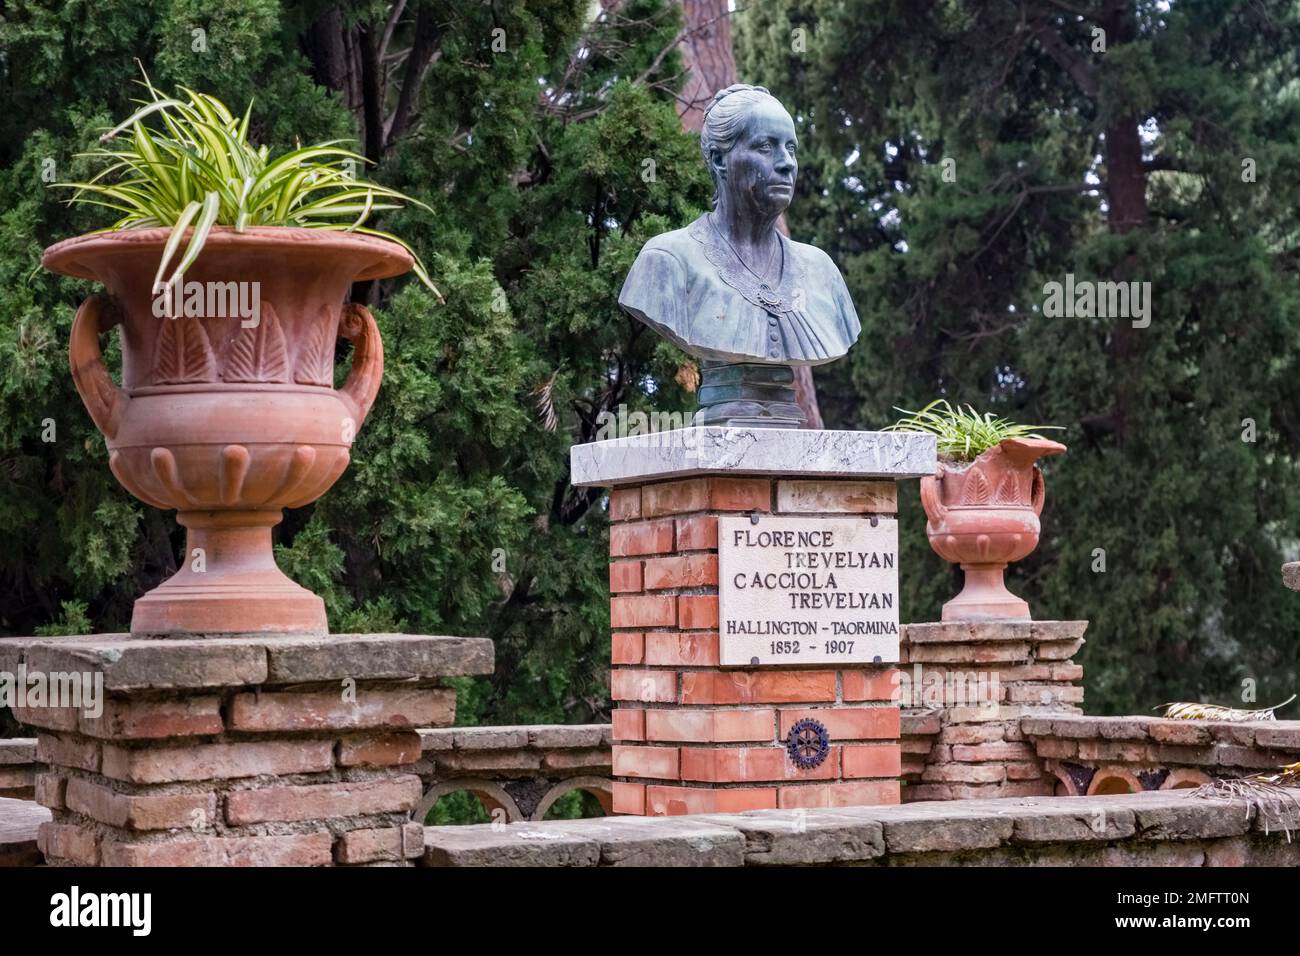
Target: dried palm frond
688, 376
1272, 795
1288, 776
1190, 711
546, 402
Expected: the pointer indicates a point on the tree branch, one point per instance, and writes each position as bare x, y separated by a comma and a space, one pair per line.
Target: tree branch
393, 17
424, 52
1082, 70
371, 105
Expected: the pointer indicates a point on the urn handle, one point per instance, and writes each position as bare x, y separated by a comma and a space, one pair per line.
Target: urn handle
358, 327
1038, 492
105, 401
935, 509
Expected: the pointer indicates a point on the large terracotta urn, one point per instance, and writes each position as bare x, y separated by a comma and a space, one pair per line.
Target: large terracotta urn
227, 413
984, 515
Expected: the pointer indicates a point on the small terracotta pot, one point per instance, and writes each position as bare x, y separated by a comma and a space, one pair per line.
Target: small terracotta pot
229, 419
983, 516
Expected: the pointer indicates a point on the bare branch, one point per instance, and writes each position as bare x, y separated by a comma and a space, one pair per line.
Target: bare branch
393, 17
424, 53
1082, 70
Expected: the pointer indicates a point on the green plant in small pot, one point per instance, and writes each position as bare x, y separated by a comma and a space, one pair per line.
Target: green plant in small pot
227, 274
983, 503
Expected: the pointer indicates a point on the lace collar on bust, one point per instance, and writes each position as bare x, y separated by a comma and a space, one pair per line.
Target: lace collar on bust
786, 297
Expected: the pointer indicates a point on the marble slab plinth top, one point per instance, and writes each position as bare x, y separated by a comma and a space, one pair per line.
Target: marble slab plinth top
752, 451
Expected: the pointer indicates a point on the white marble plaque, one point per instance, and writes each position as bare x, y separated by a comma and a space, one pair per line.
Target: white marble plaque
807, 590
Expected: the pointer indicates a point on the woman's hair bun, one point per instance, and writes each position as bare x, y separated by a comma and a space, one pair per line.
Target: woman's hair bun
721, 95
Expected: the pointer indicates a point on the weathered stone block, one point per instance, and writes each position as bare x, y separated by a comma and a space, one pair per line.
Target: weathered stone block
125, 719
915, 828
152, 811
385, 845
221, 761
798, 839
678, 841
323, 801
302, 849
1039, 823
387, 750
836, 497
375, 657
488, 845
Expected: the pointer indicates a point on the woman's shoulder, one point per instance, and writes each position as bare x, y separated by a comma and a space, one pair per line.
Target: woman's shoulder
814, 257
678, 243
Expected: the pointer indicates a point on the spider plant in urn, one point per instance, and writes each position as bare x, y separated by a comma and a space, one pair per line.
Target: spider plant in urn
227, 273
983, 503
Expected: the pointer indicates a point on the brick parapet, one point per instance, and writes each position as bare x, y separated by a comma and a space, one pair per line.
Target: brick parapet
519, 771
284, 751
1099, 755
965, 687
1152, 829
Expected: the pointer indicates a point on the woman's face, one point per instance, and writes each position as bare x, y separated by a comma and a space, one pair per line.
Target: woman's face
760, 170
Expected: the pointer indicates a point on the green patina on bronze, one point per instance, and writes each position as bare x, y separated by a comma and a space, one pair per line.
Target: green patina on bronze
748, 394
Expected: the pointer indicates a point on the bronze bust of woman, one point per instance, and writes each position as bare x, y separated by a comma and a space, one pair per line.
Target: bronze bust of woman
732, 291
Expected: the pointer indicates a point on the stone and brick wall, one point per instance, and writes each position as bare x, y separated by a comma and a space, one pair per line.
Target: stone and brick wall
18, 768
969, 685
1102, 755
20, 822
918, 730
1149, 829
692, 736
517, 773
264, 752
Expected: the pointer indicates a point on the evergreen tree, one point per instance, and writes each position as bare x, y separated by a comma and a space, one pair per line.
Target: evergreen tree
549, 149
958, 157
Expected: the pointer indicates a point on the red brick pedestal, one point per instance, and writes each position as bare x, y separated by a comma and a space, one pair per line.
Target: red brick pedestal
691, 736
279, 751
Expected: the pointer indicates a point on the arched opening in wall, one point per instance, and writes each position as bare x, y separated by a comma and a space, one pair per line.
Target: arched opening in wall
1112, 781
577, 799
1184, 778
464, 802
575, 805
458, 808
1065, 786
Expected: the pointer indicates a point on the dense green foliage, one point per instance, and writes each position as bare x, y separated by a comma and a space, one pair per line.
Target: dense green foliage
959, 156
548, 150
455, 515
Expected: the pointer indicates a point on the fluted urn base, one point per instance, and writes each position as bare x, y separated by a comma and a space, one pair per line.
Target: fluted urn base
228, 583
985, 597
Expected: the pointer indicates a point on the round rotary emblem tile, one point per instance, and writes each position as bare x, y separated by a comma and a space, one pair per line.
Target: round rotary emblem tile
809, 743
